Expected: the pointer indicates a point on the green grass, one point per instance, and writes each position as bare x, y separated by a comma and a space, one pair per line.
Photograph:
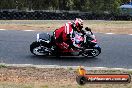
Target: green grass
12, 85
129, 72
69, 69
15, 85
68, 84
2, 66
45, 86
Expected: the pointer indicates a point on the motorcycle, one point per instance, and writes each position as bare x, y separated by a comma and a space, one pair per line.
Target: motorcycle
45, 46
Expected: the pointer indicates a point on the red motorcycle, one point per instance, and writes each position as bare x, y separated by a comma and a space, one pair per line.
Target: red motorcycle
45, 46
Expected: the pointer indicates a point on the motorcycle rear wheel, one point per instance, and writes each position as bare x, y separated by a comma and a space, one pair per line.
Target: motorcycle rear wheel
36, 49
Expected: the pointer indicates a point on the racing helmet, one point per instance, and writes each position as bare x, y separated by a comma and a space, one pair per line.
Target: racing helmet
78, 23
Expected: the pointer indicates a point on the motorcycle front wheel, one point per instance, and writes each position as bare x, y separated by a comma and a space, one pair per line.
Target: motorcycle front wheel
92, 52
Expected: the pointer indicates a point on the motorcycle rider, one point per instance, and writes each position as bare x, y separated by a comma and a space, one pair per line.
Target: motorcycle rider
64, 36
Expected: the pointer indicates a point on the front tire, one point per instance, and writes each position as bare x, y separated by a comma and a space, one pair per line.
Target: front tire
96, 51
92, 53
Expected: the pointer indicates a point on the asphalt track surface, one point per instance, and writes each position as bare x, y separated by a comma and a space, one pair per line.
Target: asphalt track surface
116, 51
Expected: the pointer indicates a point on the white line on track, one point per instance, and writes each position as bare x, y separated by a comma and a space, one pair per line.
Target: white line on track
109, 33
34, 30
129, 34
28, 30
66, 67
2, 29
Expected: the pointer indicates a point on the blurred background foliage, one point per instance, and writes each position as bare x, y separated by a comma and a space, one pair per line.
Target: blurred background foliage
96, 6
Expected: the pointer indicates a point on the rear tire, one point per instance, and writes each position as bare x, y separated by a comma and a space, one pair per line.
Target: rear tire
35, 48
